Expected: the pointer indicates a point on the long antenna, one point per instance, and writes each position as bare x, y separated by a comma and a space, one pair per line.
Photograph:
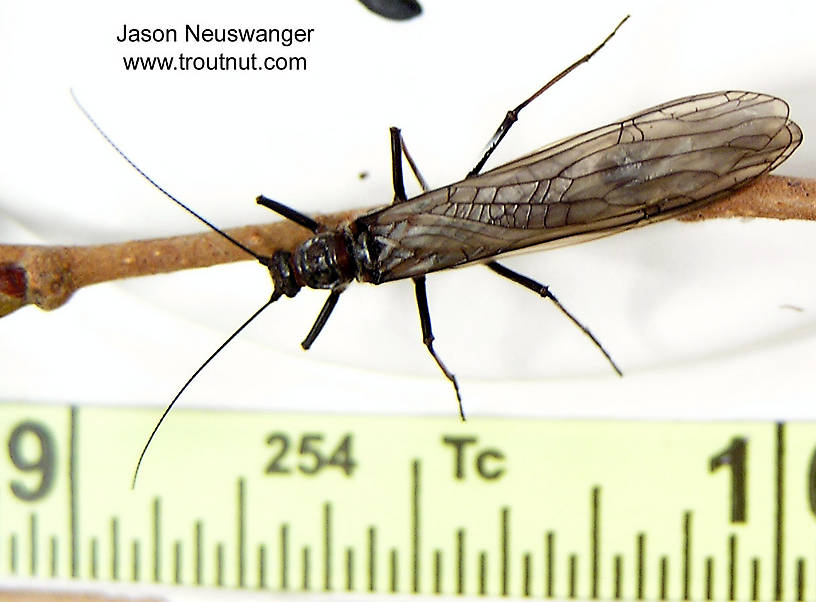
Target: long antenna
275, 295
169, 407
159, 188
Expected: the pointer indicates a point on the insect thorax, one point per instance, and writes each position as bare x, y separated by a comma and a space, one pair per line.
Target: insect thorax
326, 260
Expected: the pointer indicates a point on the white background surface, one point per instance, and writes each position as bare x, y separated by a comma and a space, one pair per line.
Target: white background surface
695, 314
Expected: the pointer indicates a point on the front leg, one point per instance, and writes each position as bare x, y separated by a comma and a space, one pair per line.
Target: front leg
322, 317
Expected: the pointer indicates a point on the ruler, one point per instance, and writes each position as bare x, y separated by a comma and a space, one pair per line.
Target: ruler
411, 505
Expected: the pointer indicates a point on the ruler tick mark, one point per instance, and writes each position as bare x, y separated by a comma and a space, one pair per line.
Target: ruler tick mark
198, 547
800, 579
709, 578
261, 566
135, 561
53, 556
549, 554
755, 579
504, 547
393, 556
641, 564
305, 569
372, 559
177, 567
240, 529
156, 538
32, 544
13, 554
664, 577
595, 540
460, 561
437, 571
327, 546
284, 557
415, 526
687, 555
349, 569
72, 490
219, 564
94, 558
779, 575
526, 574
732, 567
114, 545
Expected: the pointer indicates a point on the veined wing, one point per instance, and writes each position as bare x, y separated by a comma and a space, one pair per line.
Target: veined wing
650, 166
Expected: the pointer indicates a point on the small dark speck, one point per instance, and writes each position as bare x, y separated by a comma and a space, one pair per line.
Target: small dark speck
362, 175
791, 307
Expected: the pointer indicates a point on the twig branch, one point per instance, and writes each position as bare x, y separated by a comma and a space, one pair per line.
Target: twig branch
47, 276
772, 197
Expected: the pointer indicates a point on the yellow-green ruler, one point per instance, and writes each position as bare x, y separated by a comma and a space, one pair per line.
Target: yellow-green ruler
411, 505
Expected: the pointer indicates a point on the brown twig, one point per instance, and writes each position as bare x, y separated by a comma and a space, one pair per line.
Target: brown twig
772, 197
47, 276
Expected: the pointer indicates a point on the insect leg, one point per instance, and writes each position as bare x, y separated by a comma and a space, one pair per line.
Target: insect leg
396, 165
322, 317
398, 149
428, 337
544, 291
289, 213
512, 114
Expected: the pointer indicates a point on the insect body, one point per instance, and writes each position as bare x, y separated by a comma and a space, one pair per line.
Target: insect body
651, 166
648, 167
